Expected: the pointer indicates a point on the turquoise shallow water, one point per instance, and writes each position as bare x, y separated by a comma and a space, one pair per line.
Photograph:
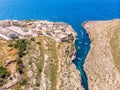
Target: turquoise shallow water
73, 12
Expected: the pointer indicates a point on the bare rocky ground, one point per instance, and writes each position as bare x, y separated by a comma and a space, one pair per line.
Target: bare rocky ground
44, 64
102, 64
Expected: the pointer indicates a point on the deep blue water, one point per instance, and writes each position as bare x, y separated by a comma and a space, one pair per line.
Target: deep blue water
73, 12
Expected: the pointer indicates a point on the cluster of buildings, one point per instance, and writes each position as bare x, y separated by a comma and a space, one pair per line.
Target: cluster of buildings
14, 29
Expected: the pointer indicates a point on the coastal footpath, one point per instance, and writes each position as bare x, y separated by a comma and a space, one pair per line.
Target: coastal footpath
102, 65
37, 55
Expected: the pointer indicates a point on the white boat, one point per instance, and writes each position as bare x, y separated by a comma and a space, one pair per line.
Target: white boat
81, 32
79, 58
78, 47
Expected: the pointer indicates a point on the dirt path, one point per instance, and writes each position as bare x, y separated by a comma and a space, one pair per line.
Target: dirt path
59, 67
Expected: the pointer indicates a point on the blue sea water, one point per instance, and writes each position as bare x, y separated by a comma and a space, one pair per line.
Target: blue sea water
73, 12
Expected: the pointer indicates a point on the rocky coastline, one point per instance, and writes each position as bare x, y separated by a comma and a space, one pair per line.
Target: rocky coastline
102, 65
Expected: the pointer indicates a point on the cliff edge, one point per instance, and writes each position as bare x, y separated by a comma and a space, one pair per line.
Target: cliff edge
37, 55
102, 64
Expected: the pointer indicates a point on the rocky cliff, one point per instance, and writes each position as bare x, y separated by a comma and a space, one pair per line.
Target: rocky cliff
37, 55
102, 64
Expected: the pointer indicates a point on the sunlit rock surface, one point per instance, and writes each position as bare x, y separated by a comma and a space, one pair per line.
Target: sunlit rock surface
38, 55
102, 64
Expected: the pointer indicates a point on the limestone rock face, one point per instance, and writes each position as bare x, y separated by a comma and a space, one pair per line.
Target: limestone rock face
102, 64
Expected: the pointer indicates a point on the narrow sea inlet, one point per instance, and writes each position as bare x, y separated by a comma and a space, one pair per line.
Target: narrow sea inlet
74, 12
81, 54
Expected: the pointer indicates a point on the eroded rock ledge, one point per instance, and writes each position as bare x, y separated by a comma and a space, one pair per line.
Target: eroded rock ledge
45, 63
102, 64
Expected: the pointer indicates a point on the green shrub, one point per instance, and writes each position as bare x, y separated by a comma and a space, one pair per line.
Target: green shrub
30, 62
32, 39
37, 84
23, 81
21, 54
20, 69
19, 61
40, 69
20, 45
2, 81
10, 45
3, 72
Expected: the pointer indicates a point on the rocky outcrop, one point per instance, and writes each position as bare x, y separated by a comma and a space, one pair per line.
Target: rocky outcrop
13, 29
102, 64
